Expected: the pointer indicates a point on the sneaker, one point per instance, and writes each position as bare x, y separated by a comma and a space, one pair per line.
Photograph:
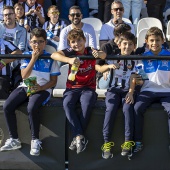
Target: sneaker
11, 144
127, 148
138, 147
1, 136
106, 148
81, 144
73, 144
35, 147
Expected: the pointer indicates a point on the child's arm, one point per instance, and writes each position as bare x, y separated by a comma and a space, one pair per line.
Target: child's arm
104, 68
60, 56
27, 71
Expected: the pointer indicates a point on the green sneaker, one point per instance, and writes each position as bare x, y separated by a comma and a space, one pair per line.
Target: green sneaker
106, 150
127, 148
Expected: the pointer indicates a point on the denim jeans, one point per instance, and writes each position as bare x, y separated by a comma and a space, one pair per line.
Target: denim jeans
66, 4
135, 7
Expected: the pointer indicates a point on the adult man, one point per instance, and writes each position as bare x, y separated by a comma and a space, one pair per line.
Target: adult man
16, 34
75, 17
107, 29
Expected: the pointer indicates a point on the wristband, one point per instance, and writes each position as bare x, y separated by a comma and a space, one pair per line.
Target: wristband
3, 62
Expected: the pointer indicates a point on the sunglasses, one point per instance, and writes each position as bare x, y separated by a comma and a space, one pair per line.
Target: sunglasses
34, 42
75, 14
116, 9
55, 12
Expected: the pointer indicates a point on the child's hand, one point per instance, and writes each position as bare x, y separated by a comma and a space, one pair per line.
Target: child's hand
36, 88
95, 53
36, 54
129, 98
137, 78
114, 66
31, 11
74, 61
56, 38
105, 74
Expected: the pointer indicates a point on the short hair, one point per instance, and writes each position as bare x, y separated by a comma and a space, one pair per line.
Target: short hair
116, 2
128, 36
8, 7
74, 7
38, 32
121, 28
75, 33
154, 31
51, 7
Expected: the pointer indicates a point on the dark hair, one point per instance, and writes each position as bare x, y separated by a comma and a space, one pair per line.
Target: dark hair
38, 32
127, 36
75, 33
8, 7
52, 6
74, 7
20, 4
154, 31
121, 28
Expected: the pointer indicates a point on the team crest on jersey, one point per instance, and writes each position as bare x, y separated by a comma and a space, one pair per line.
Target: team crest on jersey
46, 65
149, 63
164, 63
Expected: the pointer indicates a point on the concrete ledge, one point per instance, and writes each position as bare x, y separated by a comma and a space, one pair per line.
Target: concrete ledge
59, 92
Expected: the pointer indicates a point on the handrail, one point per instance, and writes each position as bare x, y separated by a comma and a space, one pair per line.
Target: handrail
90, 57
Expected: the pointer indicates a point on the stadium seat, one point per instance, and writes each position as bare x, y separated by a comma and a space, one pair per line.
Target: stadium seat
141, 37
168, 31
148, 23
167, 16
61, 82
50, 49
127, 20
97, 24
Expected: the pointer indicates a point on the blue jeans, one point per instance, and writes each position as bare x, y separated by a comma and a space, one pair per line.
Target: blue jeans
135, 7
66, 4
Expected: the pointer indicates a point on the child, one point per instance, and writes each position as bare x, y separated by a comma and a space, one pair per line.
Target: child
81, 89
45, 71
54, 26
158, 85
20, 14
34, 15
118, 93
111, 48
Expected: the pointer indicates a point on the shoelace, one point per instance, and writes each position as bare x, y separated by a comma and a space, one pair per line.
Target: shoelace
37, 144
127, 145
107, 146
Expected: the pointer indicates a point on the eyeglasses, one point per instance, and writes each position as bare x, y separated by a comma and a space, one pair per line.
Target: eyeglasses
116, 9
34, 42
5, 15
75, 14
55, 12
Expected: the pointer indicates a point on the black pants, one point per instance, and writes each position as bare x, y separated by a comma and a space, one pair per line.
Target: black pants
16, 98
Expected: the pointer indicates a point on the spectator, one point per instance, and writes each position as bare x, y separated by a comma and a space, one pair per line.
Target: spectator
75, 17
155, 9
107, 29
66, 5
82, 89
135, 7
19, 13
34, 14
120, 93
45, 71
5, 69
2, 4
156, 88
104, 6
54, 26
13, 32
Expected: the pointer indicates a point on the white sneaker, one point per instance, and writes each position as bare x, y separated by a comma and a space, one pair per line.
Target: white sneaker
11, 144
35, 147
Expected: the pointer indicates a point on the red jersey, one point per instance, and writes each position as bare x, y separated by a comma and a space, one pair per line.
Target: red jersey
86, 75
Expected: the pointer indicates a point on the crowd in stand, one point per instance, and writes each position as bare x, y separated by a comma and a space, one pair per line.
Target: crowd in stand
27, 26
